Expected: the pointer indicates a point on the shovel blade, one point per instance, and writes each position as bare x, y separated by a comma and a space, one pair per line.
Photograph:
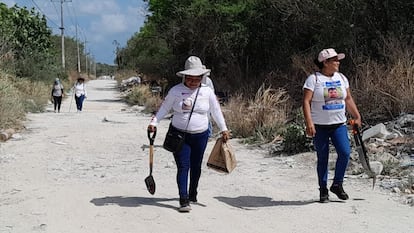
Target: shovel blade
150, 183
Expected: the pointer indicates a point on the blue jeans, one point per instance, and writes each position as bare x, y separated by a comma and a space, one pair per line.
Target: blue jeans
340, 140
79, 102
189, 160
210, 129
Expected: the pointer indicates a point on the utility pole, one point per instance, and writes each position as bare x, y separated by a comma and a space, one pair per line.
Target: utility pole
62, 31
86, 57
77, 46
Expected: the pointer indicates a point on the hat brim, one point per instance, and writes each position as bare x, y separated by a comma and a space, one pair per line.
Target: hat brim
341, 56
193, 72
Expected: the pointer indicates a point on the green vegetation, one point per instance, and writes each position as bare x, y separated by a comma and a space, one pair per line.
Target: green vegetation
255, 42
259, 51
248, 43
30, 60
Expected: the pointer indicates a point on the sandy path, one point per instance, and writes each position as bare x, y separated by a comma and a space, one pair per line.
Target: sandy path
80, 173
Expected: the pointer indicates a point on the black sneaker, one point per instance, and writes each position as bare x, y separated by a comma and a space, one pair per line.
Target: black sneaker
339, 191
323, 195
184, 205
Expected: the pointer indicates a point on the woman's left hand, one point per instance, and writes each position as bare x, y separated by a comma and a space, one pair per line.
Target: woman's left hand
225, 135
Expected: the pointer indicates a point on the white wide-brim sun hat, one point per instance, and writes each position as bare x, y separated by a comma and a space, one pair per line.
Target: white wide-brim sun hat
193, 67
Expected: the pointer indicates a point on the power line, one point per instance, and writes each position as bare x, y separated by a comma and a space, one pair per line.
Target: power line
39, 9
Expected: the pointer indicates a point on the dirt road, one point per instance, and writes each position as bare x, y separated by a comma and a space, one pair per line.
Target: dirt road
84, 173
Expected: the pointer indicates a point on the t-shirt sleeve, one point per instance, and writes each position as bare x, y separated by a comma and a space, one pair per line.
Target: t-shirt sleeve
310, 82
346, 82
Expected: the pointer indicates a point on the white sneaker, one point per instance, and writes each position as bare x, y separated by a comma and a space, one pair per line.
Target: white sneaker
184, 208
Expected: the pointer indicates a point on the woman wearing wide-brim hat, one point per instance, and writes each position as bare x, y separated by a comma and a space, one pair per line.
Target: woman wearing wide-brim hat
191, 98
80, 93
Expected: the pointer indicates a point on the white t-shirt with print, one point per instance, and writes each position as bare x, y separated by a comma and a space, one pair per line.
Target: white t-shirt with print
328, 101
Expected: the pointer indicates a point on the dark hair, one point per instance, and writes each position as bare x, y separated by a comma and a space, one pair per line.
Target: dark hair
318, 63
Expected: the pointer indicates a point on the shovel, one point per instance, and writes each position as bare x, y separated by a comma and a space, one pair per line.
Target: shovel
362, 152
149, 181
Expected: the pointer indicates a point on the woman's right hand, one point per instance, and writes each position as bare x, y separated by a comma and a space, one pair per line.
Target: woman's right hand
310, 130
225, 135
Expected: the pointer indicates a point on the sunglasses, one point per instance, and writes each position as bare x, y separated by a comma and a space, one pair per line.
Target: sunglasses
195, 80
332, 59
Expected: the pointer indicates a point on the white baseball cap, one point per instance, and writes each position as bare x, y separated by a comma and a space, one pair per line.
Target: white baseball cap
329, 53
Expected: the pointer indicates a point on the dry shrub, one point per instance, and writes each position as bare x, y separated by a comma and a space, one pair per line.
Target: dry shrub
260, 117
385, 90
124, 74
142, 95
35, 94
11, 107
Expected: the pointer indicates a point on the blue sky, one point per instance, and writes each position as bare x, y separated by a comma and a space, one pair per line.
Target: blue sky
100, 22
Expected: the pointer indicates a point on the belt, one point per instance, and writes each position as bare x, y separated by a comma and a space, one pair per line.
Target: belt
332, 126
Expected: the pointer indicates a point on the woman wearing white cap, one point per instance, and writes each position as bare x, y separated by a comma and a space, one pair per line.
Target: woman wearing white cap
180, 99
57, 94
325, 119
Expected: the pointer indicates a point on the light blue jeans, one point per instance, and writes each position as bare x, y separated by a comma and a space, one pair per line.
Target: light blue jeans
340, 140
189, 160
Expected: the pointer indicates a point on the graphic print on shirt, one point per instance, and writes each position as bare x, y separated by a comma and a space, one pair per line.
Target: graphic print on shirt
187, 101
332, 93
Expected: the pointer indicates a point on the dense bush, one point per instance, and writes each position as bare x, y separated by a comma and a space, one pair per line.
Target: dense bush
248, 43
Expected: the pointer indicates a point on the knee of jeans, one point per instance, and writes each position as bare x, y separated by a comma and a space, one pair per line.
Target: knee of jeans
344, 152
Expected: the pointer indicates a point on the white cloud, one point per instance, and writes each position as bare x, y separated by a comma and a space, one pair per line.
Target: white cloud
97, 7
9, 3
110, 24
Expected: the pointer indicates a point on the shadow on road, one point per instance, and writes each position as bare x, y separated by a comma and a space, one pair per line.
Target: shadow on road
133, 201
145, 146
107, 100
246, 202
107, 88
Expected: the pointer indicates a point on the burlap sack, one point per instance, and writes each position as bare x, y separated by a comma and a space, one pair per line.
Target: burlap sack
222, 157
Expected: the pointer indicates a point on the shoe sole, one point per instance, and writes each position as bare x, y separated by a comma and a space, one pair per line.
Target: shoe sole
324, 201
184, 209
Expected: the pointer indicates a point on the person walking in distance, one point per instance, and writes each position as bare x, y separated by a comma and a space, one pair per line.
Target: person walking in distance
210, 84
80, 93
191, 97
325, 119
57, 94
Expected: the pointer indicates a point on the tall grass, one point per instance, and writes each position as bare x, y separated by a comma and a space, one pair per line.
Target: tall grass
386, 89
35, 94
260, 118
141, 95
19, 96
11, 105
